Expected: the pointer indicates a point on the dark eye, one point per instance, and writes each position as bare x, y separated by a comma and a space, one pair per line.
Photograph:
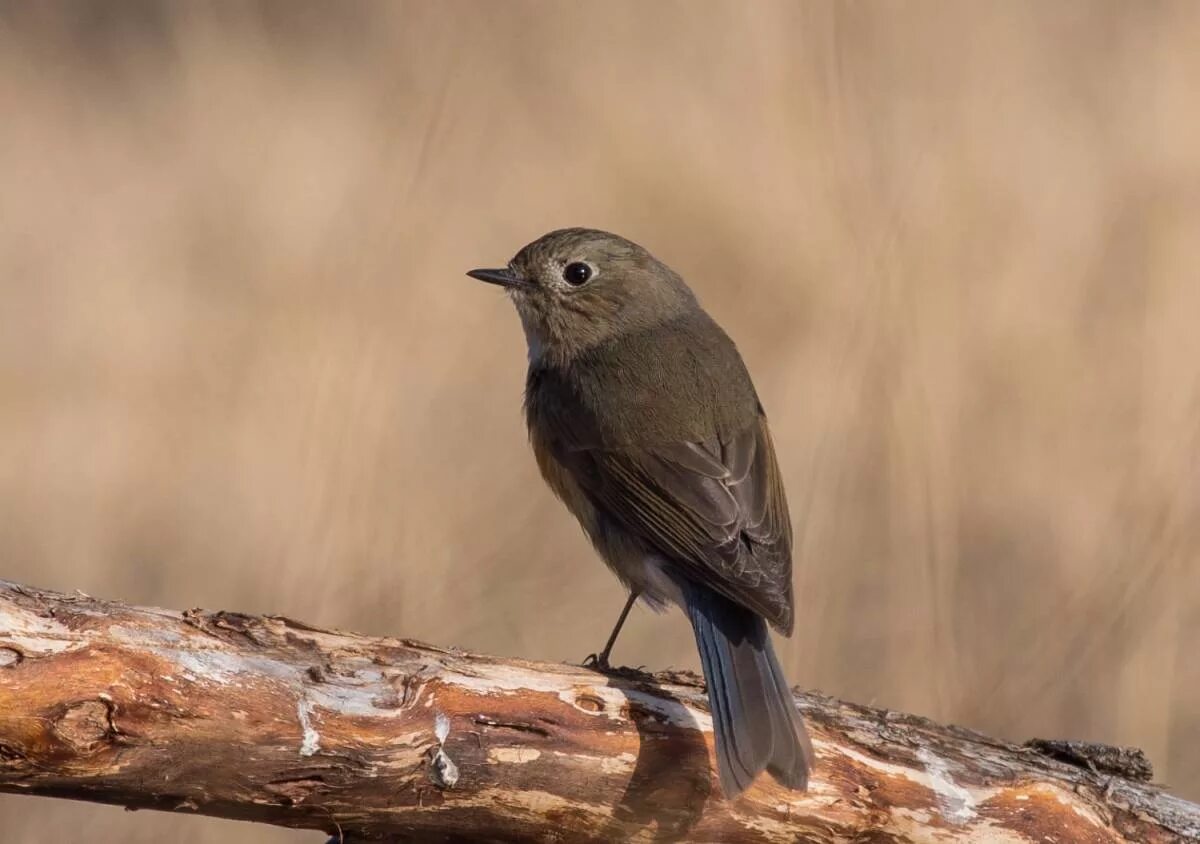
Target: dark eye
576, 273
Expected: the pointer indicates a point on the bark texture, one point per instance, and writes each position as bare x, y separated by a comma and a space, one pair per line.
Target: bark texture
267, 719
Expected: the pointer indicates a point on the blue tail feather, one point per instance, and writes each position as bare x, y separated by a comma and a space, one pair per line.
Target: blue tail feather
755, 722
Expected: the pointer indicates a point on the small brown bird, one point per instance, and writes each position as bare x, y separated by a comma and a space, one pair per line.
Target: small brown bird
645, 423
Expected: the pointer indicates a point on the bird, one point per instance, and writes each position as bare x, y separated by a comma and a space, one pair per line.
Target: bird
644, 421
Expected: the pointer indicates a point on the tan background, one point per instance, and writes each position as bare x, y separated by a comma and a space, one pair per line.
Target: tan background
958, 244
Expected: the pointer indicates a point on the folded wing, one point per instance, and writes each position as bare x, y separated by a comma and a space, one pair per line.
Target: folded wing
716, 509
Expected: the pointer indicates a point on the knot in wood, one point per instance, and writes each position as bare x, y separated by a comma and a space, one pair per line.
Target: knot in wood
589, 703
85, 726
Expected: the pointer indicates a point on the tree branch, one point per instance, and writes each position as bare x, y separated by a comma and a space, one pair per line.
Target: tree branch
270, 720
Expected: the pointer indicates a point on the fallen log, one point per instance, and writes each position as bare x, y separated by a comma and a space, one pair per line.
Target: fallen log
271, 720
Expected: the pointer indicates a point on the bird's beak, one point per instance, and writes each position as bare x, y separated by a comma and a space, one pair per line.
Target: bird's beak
503, 277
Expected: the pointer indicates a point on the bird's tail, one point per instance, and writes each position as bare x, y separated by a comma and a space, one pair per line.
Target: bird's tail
756, 725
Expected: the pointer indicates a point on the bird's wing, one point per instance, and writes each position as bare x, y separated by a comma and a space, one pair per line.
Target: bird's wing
716, 509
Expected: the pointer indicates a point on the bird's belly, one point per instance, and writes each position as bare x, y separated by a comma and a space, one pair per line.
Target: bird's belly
657, 587
637, 566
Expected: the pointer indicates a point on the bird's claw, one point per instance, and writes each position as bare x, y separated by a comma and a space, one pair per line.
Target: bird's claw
597, 662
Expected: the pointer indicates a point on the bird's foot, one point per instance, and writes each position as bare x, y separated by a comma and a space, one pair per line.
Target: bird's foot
597, 662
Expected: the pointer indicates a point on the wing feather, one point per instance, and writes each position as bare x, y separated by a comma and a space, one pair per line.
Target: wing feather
716, 509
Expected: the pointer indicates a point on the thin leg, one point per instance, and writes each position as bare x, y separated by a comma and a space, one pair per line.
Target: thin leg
600, 661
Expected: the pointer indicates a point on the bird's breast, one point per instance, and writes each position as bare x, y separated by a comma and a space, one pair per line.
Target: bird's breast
682, 382
559, 478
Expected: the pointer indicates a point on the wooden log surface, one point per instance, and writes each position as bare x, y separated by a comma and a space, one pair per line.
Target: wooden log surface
267, 719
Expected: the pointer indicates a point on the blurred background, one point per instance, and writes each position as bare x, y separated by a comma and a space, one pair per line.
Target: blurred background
958, 245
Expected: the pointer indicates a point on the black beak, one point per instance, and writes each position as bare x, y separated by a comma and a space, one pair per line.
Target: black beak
503, 277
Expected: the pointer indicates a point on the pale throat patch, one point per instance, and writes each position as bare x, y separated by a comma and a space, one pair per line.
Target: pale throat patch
535, 349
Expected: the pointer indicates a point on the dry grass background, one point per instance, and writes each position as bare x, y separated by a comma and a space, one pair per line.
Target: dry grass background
958, 244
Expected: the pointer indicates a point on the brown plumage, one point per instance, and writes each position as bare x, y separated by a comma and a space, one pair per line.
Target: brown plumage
646, 424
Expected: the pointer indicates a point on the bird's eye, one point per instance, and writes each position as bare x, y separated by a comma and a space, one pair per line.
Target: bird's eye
576, 273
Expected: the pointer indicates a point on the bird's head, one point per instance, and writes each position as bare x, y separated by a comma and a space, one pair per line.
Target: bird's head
578, 288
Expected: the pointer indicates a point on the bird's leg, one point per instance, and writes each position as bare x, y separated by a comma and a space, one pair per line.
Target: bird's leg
600, 661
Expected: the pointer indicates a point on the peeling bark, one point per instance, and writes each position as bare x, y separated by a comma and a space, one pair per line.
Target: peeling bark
270, 720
